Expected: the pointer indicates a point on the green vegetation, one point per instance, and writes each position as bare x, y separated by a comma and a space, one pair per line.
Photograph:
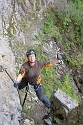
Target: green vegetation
67, 87
56, 24
26, 111
49, 28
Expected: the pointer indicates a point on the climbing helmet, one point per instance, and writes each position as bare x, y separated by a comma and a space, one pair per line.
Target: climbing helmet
31, 51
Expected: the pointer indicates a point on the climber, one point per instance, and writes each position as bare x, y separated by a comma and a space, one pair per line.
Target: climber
30, 73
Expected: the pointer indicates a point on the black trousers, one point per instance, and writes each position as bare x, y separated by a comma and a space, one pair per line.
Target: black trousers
38, 89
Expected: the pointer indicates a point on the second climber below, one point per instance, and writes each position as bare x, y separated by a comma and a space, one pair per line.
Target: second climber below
30, 73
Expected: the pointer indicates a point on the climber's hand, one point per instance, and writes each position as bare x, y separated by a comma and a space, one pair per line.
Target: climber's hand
59, 57
16, 84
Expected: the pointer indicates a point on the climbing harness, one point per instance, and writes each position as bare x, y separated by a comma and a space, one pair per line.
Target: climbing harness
37, 87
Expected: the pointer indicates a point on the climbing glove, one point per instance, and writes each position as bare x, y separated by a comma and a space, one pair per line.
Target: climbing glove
59, 57
16, 84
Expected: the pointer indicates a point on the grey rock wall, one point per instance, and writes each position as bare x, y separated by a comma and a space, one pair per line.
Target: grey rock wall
65, 110
10, 109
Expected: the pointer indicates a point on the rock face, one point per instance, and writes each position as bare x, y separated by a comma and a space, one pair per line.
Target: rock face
10, 109
65, 110
75, 117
